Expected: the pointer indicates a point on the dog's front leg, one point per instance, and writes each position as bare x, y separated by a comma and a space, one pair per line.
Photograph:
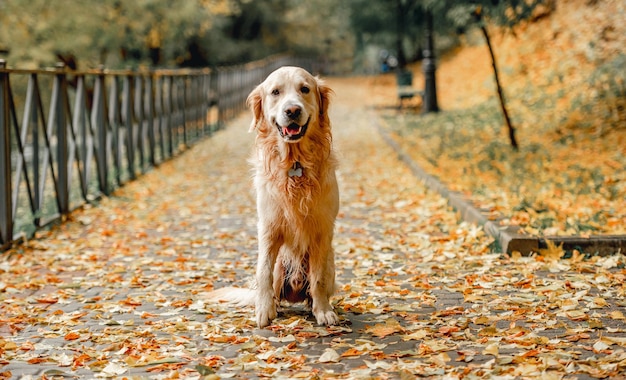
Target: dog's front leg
266, 302
322, 277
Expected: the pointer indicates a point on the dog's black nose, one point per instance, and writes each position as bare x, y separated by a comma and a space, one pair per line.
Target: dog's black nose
293, 112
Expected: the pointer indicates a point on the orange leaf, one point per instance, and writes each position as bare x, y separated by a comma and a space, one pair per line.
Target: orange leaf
130, 302
72, 336
530, 353
181, 303
390, 327
222, 338
49, 300
352, 352
447, 330
165, 367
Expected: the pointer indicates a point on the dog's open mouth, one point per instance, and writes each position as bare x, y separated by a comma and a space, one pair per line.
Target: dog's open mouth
293, 131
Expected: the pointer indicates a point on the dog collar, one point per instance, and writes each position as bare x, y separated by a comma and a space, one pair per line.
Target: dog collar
295, 170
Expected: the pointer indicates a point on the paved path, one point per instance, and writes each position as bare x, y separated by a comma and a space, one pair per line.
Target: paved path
116, 291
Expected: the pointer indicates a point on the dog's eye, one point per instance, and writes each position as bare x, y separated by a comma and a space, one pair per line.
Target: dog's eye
276, 92
305, 90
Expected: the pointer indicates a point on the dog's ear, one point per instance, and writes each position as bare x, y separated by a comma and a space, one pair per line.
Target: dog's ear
325, 93
255, 103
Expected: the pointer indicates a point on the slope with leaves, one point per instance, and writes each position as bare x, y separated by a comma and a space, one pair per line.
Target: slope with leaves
565, 88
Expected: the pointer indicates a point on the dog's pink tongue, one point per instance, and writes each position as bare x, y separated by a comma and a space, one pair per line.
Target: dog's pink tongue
291, 129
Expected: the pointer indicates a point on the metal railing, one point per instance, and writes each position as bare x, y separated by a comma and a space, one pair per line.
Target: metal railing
69, 137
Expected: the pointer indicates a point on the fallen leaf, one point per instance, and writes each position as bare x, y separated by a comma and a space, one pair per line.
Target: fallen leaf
616, 314
329, 356
72, 336
416, 335
552, 252
113, 369
491, 349
351, 352
390, 327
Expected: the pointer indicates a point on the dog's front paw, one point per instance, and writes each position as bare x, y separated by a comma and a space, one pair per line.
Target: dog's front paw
265, 312
326, 317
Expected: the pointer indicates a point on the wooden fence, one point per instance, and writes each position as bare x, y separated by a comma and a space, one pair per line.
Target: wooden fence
70, 137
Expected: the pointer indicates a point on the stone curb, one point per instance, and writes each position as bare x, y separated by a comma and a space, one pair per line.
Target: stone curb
508, 239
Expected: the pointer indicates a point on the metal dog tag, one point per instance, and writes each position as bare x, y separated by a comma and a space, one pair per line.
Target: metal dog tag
296, 170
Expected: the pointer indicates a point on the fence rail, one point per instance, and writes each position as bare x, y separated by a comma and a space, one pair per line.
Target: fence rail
69, 137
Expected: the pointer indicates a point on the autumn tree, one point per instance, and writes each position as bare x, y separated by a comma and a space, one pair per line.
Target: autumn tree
195, 33
382, 20
479, 13
109, 32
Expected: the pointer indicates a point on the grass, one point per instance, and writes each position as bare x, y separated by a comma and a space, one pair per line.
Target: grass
568, 178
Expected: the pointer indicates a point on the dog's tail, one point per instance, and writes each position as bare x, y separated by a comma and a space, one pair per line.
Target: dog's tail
233, 296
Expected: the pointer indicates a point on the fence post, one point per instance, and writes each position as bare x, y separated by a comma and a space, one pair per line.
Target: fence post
219, 96
99, 120
183, 109
139, 117
150, 117
127, 114
6, 211
158, 85
169, 111
60, 93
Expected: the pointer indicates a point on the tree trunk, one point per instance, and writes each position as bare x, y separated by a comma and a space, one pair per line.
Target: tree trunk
429, 68
400, 24
500, 94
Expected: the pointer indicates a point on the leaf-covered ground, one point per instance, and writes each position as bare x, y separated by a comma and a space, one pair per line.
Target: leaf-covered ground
116, 291
565, 85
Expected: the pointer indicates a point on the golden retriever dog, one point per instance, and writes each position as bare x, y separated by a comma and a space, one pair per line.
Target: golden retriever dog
297, 197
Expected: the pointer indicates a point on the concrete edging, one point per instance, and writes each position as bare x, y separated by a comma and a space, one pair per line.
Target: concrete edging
509, 240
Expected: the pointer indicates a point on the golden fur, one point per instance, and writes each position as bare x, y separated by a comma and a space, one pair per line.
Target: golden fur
297, 196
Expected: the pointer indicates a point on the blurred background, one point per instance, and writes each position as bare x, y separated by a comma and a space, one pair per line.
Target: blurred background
362, 36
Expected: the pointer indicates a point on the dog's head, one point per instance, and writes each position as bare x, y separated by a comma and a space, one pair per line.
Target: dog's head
290, 102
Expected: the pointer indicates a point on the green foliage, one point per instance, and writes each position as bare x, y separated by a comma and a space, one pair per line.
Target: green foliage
463, 13
606, 96
159, 32
382, 23
110, 32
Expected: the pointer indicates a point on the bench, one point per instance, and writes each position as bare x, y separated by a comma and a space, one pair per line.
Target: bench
404, 80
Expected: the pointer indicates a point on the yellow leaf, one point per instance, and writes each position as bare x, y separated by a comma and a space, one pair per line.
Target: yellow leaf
617, 315
440, 359
553, 252
488, 331
491, 349
417, 335
482, 320
7, 345
599, 302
